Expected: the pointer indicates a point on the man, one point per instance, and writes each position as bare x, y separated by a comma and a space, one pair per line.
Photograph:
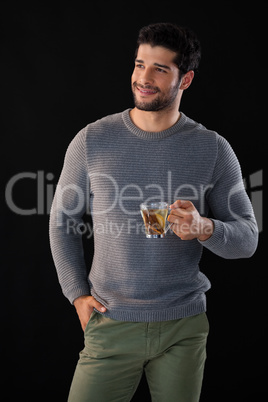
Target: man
142, 307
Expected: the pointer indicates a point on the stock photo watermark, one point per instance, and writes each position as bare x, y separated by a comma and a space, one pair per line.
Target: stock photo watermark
43, 186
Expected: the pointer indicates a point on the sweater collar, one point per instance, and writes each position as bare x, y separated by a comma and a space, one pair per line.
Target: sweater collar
149, 135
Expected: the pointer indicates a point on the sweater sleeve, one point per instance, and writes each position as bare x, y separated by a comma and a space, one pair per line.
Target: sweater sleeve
235, 228
68, 207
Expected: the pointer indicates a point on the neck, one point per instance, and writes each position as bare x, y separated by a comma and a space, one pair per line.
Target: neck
154, 121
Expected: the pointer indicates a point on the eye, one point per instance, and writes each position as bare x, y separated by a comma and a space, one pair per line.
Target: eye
139, 66
160, 70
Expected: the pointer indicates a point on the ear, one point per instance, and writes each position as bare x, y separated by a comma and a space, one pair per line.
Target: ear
187, 80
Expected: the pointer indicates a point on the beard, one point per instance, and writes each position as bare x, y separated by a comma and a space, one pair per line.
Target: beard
161, 102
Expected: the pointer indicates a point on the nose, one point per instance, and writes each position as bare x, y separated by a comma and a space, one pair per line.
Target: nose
146, 77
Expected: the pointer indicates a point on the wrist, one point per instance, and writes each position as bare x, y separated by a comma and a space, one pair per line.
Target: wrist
79, 299
207, 226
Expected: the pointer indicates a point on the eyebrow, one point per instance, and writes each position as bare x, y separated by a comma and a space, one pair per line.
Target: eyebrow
155, 64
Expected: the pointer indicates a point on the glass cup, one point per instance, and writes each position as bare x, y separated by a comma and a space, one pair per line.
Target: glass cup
154, 215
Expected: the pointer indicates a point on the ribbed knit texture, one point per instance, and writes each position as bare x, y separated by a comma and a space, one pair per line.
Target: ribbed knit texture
110, 168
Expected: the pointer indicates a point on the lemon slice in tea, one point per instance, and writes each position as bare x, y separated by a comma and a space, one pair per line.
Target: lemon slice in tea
161, 220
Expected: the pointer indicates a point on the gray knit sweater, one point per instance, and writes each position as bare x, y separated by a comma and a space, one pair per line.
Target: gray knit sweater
110, 168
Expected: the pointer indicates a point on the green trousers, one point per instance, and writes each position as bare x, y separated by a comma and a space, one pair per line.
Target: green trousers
171, 353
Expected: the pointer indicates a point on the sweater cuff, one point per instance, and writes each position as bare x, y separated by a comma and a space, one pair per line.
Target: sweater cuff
74, 293
216, 238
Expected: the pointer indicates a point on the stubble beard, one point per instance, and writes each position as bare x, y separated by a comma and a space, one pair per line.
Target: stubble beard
161, 102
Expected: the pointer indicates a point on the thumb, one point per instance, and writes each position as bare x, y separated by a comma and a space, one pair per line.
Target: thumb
176, 204
99, 306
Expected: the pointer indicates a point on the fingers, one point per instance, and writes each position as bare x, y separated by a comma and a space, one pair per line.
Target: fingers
185, 204
84, 307
185, 219
177, 213
98, 306
181, 209
90, 302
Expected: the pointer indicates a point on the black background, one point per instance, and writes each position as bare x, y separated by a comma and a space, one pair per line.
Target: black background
63, 66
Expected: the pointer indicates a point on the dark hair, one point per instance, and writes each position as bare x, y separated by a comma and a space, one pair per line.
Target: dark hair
181, 40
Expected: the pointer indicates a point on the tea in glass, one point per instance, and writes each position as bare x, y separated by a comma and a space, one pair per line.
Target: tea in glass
154, 215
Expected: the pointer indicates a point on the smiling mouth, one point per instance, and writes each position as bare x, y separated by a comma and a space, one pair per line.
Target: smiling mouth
146, 91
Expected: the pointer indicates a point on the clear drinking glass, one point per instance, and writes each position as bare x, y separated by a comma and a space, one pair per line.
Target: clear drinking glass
154, 215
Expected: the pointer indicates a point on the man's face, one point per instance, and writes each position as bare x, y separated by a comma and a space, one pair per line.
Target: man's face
155, 79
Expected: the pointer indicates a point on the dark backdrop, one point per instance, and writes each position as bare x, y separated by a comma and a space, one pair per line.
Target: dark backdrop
64, 66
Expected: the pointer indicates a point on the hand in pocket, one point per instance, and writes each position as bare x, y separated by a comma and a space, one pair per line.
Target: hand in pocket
84, 306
